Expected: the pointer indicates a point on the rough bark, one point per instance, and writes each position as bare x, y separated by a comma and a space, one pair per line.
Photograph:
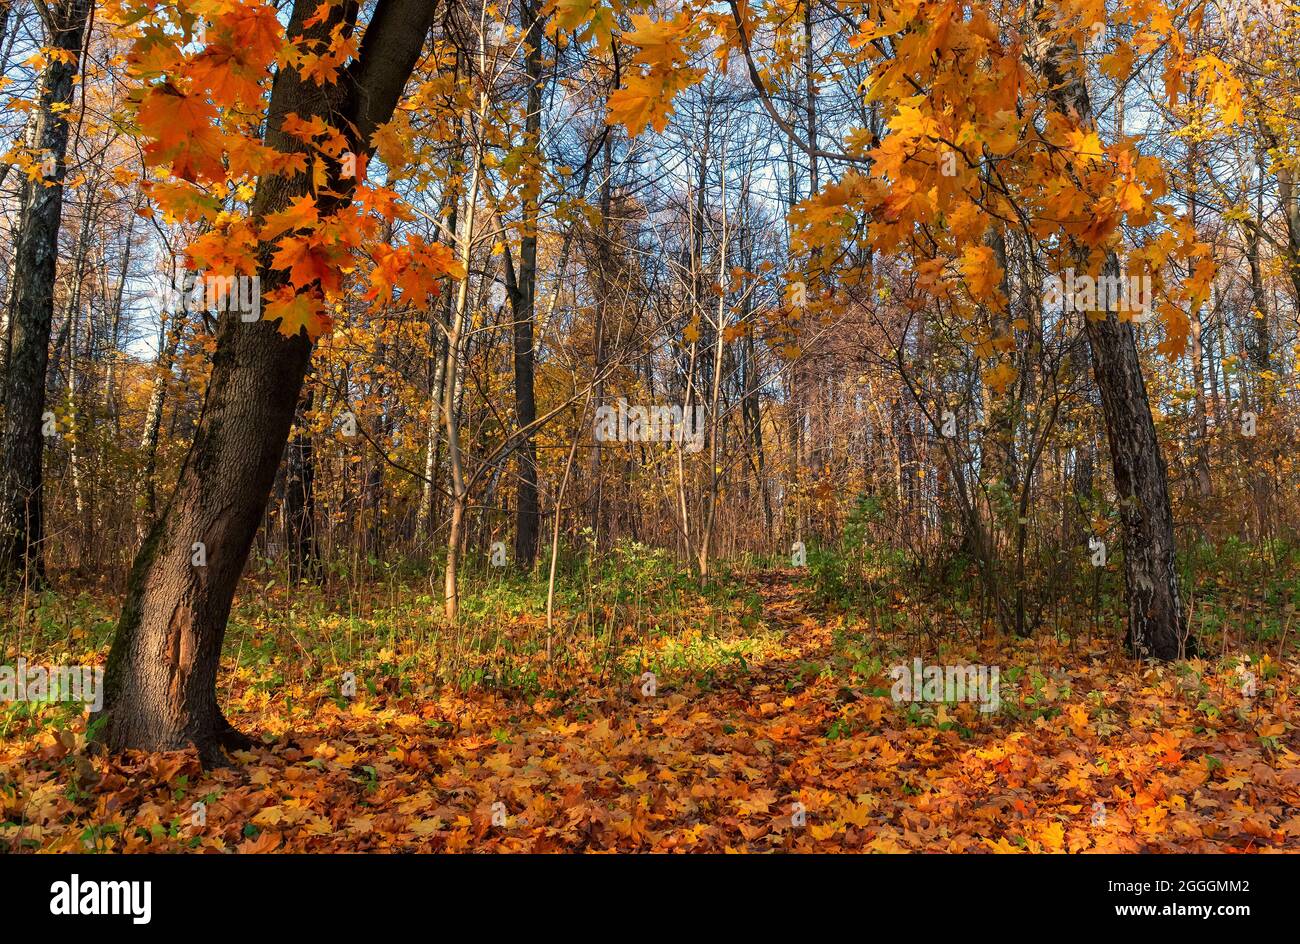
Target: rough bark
523, 304
160, 688
32, 310
1156, 622
1201, 453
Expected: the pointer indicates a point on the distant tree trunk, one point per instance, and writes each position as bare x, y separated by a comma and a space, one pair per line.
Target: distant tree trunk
752, 412
1261, 349
372, 488
1085, 461
1156, 623
436, 368
1002, 409
428, 489
68, 341
169, 342
451, 407
115, 330
792, 415
74, 421
160, 686
705, 550
1289, 201
5, 8
300, 497
1201, 453
524, 303
32, 311
598, 341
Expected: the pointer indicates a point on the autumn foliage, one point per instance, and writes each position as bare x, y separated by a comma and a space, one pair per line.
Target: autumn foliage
364, 577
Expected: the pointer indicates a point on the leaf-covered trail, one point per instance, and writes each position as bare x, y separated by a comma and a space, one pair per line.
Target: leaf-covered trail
785, 755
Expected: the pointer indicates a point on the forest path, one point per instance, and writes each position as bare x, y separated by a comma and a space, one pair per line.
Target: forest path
787, 756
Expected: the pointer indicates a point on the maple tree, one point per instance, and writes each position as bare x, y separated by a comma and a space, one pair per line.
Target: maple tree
209, 140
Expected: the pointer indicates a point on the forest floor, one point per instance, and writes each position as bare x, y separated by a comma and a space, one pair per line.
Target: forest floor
788, 741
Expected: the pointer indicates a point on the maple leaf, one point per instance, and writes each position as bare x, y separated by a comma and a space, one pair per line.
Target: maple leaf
228, 75
1085, 144
660, 41
266, 841
1000, 377
570, 14
390, 262
646, 97
981, 272
302, 311
322, 14
639, 103
1177, 327
300, 214
384, 202
1119, 63
391, 142
228, 250
305, 130
256, 28
323, 67
183, 134
307, 260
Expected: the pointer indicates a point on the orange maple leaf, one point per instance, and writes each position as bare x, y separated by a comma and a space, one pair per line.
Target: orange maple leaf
303, 311
307, 260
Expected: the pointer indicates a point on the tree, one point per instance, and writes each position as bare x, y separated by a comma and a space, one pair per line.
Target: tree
32, 308
523, 298
1157, 625
161, 674
927, 202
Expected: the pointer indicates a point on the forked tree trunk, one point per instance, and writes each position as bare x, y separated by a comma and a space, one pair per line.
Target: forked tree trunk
1156, 623
453, 386
162, 669
160, 688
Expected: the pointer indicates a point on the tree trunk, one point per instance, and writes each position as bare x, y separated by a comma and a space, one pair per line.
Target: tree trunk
451, 399
603, 255
1260, 349
169, 342
1289, 201
523, 304
300, 498
1156, 623
437, 345
160, 686
705, 550
21, 524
